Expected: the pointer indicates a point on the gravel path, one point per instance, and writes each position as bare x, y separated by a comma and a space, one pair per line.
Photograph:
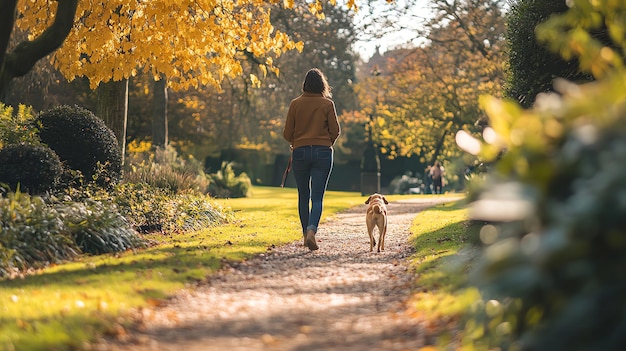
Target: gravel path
340, 297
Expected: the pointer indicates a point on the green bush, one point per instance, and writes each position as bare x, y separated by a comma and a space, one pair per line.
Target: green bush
35, 232
225, 184
555, 247
32, 234
164, 169
83, 142
151, 209
146, 207
195, 212
98, 227
551, 271
167, 178
32, 168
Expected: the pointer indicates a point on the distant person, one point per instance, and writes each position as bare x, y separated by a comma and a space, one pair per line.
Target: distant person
311, 129
436, 173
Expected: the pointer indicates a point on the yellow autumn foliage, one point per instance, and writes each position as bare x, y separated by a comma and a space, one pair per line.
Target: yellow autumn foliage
192, 43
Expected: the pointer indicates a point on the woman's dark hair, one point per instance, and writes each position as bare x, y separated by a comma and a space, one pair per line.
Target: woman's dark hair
315, 82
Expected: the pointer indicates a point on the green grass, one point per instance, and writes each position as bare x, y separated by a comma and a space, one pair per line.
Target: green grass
66, 306
439, 236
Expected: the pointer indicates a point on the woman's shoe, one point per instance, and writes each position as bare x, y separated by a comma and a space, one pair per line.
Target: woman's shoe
309, 240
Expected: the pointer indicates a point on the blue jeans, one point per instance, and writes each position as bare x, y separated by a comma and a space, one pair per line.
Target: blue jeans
311, 167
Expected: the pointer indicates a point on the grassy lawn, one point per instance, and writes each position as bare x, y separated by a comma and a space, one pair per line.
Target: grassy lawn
65, 306
439, 236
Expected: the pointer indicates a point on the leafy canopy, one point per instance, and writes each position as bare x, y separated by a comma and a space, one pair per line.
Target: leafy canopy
418, 97
192, 43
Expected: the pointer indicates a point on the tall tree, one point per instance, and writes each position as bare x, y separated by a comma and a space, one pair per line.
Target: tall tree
532, 65
112, 107
192, 43
159, 114
425, 94
242, 115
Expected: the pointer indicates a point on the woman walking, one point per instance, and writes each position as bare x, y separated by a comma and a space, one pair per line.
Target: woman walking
311, 130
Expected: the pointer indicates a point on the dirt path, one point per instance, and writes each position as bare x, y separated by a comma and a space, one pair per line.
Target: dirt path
341, 297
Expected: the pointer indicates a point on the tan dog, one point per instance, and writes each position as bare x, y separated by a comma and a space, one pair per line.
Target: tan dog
376, 216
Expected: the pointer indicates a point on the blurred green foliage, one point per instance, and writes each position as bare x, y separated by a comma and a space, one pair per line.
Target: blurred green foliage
226, 184
554, 247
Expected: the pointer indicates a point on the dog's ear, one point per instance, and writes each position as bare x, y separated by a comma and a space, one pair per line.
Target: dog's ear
368, 200
385, 200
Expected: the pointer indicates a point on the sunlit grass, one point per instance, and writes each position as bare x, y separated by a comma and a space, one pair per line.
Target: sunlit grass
440, 239
65, 306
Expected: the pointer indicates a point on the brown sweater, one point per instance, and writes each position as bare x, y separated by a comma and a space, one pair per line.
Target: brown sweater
311, 120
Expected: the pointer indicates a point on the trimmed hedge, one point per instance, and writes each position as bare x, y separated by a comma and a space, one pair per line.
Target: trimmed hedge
83, 142
532, 66
35, 169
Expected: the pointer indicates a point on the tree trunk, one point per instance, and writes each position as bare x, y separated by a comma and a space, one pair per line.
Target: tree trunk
159, 114
27, 53
438, 147
112, 108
